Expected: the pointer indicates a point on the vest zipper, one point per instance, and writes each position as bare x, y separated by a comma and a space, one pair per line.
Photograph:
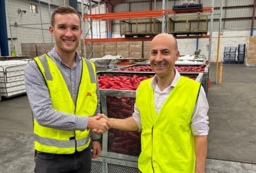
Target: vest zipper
75, 138
152, 149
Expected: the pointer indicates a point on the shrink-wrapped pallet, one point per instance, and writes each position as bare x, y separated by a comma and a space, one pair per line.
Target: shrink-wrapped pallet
250, 56
12, 77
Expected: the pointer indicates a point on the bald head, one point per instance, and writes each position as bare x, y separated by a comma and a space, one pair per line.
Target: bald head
168, 38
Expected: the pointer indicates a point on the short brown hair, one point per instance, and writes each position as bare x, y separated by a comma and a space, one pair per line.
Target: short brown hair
63, 10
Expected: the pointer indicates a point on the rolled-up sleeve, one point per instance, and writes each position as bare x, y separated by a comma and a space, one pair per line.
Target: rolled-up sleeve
200, 119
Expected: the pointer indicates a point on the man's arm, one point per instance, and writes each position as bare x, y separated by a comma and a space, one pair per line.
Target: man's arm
200, 130
96, 149
201, 152
128, 124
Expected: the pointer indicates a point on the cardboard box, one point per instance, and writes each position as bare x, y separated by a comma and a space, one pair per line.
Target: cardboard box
250, 54
98, 54
250, 47
251, 40
146, 49
135, 54
135, 42
110, 53
29, 49
43, 48
124, 45
123, 53
251, 61
110, 48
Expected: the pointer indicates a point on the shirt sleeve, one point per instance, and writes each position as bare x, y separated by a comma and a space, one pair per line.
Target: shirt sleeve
199, 121
136, 116
41, 104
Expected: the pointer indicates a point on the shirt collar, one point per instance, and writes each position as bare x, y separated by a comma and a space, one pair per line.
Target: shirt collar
176, 78
53, 54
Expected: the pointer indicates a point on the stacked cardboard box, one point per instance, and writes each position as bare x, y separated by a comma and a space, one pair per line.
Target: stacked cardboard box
250, 51
43, 48
146, 49
110, 48
136, 49
123, 49
29, 49
98, 49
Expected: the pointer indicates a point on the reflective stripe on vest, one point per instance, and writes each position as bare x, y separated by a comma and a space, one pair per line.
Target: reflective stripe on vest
45, 64
48, 74
60, 144
52, 140
167, 143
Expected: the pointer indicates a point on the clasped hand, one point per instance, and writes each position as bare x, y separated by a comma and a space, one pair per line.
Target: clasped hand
99, 123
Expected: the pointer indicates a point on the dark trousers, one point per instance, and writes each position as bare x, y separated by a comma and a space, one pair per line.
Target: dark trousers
79, 162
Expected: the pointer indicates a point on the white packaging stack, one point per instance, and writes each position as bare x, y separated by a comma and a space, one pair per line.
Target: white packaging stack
12, 77
191, 59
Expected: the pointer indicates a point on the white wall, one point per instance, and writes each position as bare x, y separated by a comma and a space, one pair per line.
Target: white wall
228, 38
28, 28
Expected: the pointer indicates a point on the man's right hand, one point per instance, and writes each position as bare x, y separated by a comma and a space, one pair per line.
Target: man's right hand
98, 124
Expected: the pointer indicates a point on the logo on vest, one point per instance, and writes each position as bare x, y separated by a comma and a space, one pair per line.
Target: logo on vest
89, 94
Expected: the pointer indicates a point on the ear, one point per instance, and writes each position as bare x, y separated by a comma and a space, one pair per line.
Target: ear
177, 55
51, 29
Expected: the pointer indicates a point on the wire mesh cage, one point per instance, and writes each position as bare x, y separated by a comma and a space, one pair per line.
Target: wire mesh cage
122, 142
188, 25
140, 27
96, 167
122, 169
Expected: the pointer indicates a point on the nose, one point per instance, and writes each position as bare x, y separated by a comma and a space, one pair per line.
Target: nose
158, 56
69, 32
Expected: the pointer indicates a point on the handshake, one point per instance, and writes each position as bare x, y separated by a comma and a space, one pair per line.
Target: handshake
99, 123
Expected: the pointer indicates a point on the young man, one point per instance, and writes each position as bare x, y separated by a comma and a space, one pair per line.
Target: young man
64, 97
171, 113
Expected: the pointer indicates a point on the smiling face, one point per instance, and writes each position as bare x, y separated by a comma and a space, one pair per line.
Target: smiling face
164, 53
67, 32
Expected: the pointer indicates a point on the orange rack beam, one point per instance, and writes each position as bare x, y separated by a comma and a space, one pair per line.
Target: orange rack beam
192, 37
140, 14
117, 39
137, 39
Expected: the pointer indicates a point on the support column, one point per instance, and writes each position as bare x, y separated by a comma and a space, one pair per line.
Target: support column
109, 24
253, 14
73, 3
3, 30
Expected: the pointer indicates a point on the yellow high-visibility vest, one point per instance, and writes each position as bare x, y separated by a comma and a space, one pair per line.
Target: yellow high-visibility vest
167, 143
50, 140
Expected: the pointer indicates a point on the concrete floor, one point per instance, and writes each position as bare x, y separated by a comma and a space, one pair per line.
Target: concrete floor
232, 139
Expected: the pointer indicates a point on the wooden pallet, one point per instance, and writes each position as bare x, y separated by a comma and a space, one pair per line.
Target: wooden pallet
188, 33
139, 35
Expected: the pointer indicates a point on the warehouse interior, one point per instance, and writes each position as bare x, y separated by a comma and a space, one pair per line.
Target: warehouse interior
116, 37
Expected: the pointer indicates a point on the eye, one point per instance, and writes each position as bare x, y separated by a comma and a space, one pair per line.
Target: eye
61, 26
75, 28
165, 52
153, 52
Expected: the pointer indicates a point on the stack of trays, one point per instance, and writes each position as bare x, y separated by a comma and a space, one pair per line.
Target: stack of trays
12, 78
